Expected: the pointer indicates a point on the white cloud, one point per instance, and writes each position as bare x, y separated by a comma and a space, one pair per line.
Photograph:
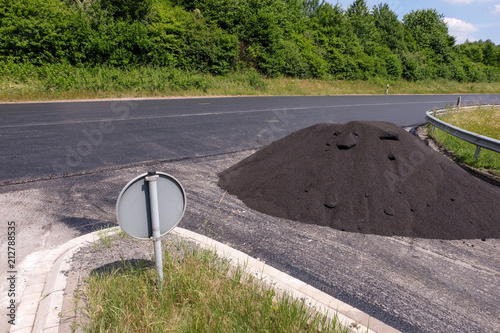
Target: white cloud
496, 11
460, 29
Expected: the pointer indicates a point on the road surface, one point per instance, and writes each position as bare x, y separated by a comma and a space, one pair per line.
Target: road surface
44, 139
64, 164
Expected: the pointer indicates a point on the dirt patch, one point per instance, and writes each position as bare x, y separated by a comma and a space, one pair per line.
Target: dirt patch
366, 177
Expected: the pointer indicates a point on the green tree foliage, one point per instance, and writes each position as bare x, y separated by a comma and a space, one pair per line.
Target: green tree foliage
293, 38
41, 31
481, 52
208, 48
430, 33
128, 10
337, 40
391, 30
363, 24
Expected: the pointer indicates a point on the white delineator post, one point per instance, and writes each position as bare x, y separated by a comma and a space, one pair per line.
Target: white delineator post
151, 178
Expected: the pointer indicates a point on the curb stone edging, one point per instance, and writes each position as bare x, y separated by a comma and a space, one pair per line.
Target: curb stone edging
42, 300
347, 315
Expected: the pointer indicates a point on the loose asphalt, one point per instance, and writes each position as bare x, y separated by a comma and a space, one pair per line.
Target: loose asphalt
411, 284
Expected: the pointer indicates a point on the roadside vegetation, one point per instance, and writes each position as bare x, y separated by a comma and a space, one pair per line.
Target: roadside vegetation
201, 293
53, 82
482, 120
53, 49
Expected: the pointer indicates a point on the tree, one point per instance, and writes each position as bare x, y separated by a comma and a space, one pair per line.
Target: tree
430, 32
128, 10
363, 25
312, 7
491, 54
391, 30
337, 39
41, 32
209, 49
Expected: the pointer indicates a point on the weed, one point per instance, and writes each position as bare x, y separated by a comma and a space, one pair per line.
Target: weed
104, 239
202, 293
209, 219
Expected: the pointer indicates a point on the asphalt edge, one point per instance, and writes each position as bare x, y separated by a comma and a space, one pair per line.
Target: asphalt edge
39, 310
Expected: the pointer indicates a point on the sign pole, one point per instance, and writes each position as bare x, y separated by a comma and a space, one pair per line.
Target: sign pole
151, 178
150, 206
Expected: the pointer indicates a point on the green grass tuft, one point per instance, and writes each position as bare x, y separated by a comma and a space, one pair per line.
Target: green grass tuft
201, 293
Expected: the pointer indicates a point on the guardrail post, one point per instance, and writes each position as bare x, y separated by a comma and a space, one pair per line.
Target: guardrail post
478, 150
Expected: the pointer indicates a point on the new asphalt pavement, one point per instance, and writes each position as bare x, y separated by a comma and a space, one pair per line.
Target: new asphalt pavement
64, 163
44, 139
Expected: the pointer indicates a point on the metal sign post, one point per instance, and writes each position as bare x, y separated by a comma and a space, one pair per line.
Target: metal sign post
150, 206
151, 178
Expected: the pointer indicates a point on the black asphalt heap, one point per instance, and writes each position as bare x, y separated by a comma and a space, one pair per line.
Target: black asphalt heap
366, 177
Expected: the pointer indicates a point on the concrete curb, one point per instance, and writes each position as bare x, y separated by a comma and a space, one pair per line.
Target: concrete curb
42, 300
349, 316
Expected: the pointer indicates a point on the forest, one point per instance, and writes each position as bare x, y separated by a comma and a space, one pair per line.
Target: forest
275, 38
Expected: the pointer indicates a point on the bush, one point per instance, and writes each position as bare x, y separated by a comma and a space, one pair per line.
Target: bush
209, 49
394, 66
414, 67
40, 32
288, 38
284, 58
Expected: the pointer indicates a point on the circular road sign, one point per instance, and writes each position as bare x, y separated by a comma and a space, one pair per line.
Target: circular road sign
133, 206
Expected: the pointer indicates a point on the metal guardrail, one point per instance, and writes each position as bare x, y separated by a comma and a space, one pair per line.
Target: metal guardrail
480, 141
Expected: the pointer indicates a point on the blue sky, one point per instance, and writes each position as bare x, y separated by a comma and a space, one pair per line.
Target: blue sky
466, 19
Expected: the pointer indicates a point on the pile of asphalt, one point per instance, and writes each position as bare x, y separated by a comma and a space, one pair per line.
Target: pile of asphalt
366, 177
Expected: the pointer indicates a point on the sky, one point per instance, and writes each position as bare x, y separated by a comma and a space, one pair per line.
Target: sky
471, 20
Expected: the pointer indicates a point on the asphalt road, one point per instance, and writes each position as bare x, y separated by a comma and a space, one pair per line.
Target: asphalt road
414, 285
47, 139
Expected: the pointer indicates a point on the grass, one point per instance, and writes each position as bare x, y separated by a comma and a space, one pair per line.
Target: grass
25, 82
201, 293
104, 239
481, 120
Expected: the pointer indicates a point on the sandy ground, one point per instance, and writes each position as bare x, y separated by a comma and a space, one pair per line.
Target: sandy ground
415, 285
